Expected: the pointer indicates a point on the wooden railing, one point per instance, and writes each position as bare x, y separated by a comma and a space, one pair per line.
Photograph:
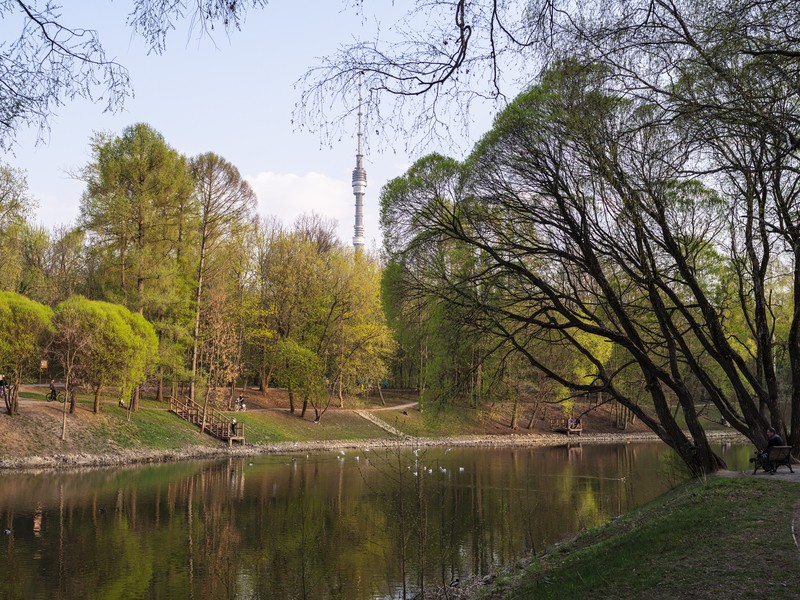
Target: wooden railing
186, 409
217, 423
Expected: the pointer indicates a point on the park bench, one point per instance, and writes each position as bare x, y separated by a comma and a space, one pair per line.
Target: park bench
778, 456
564, 426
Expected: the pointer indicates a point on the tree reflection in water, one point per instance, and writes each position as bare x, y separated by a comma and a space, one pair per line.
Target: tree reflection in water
377, 524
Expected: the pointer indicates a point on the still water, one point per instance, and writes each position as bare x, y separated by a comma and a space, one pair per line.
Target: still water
353, 525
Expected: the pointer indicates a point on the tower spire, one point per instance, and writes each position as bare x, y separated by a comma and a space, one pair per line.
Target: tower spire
359, 182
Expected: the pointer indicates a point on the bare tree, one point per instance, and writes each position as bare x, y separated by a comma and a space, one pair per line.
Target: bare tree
422, 76
49, 61
225, 202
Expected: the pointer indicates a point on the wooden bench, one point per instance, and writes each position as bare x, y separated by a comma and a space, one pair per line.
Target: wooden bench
561, 426
778, 456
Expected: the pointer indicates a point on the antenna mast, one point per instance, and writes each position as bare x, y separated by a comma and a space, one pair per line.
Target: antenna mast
359, 180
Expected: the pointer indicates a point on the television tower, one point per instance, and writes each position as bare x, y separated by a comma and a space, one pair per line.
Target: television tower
359, 187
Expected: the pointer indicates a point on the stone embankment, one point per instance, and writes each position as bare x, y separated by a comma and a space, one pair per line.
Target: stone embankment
127, 457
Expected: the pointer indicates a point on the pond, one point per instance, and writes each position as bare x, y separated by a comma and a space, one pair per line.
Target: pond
356, 525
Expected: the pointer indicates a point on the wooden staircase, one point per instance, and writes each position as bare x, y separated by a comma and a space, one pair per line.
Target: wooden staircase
217, 423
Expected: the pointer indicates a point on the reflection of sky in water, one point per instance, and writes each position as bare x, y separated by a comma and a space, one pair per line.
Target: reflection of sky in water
344, 524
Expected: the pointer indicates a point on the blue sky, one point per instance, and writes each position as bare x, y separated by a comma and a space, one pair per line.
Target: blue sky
232, 95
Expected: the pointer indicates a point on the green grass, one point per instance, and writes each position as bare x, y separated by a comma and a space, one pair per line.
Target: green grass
437, 420
726, 538
153, 427
281, 426
32, 395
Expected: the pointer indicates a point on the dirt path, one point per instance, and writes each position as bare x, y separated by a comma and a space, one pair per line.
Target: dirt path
365, 414
781, 475
394, 407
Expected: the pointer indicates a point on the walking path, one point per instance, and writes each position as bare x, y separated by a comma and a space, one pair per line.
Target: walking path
370, 416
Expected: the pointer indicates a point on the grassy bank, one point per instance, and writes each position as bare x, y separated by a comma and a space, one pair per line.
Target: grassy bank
36, 431
721, 539
114, 436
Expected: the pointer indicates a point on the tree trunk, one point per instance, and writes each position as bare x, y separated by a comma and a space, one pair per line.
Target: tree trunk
71, 399
264, 375
197, 297
514, 410
380, 393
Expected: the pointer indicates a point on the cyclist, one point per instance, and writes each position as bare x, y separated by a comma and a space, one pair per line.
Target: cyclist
52, 395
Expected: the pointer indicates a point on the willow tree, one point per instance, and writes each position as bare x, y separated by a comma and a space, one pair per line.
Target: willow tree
591, 235
102, 344
25, 326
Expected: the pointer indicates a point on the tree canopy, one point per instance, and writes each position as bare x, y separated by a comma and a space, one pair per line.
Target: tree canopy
25, 326
103, 344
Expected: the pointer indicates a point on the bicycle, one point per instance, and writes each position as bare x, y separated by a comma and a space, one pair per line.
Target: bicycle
53, 395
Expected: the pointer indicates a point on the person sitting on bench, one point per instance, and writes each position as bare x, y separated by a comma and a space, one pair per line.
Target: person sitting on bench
773, 439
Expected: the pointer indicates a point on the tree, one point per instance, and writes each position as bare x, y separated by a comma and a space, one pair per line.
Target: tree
102, 344
350, 335
314, 317
51, 61
138, 212
585, 247
226, 203
122, 353
15, 206
289, 284
65, 263
702, 100
24, 328
442, 340
132, 209
219, 345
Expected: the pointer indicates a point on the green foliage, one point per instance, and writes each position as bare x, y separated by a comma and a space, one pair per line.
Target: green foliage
315, 320
137, 208
25, 327
300, 368
103, 344
15, 205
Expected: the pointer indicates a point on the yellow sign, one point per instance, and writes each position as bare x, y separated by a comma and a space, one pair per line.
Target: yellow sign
43, 364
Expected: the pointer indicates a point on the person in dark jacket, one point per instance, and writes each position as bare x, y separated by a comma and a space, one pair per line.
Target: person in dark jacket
773, 439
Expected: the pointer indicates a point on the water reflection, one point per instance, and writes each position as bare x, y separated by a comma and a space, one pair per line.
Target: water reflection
355, 525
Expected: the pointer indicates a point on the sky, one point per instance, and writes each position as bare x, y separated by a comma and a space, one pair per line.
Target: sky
232, 95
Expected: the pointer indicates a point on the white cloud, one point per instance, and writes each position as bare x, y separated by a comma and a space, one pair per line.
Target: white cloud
287, 196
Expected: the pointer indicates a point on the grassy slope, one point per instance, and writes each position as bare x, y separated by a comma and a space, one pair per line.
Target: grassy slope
726, 538
36, 430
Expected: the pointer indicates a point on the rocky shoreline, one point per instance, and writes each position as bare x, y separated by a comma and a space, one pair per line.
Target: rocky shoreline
132, 457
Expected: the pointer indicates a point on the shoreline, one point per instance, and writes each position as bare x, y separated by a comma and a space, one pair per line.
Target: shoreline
144, 457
